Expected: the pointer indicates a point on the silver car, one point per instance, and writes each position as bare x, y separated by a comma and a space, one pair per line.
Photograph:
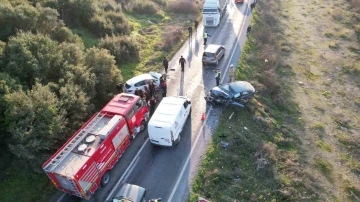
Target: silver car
212, 54
130, 192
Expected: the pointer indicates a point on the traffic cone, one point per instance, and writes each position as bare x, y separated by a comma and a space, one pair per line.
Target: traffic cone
203, 116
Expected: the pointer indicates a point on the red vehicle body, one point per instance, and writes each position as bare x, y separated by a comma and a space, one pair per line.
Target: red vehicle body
81, 165
239, 1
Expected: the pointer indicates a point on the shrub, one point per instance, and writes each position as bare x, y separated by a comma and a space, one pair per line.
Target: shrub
120, 23
171, 37
100, 26
184, 7
160, 2
123, 48
143, 7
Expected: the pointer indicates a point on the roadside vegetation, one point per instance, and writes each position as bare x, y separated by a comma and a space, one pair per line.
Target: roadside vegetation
60, 62
298, 139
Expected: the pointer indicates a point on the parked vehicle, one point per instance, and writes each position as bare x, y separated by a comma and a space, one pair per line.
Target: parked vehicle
236, 93
239, 1
212, 54
141, 81
168, 120
131, 193
213, 12
83, 163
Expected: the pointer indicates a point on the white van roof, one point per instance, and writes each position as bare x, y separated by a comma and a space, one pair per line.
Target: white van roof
164, 114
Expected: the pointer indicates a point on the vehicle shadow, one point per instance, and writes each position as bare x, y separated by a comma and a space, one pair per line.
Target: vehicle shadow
181, 87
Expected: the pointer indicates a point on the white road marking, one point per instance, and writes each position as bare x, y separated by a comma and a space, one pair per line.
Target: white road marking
202, 126
127, 170
132, 168
61, 197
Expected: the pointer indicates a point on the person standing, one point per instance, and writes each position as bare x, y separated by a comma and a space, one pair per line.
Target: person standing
141, 94
182, 62
164, 88
120, 87
206, 35
151, 89
231, 73
218, 76
137, 92
152, 104
165, 64
190, 32
196, 23
248, 30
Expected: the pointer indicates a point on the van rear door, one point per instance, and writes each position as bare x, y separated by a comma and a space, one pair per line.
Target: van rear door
160, 135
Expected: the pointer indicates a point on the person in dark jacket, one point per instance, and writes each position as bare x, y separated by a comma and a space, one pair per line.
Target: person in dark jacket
165, 64
137, 92
151, 89
120, 87
147, 96
182, 62
218, 76
164, 88
152, 104
190, 31
141, 94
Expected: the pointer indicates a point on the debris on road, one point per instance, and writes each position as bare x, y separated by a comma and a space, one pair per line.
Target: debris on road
231, 115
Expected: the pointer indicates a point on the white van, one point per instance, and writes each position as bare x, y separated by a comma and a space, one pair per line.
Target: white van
168, 120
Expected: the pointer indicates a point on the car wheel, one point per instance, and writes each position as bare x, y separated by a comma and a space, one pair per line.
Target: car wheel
142, 126
105, 179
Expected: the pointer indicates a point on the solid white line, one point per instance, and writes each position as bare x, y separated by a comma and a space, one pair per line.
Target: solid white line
127, 170
202, 126
61, 197
132, 168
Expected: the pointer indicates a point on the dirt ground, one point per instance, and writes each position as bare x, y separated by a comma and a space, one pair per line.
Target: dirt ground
323, 54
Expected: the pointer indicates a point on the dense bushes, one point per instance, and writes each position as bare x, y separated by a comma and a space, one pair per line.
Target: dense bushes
184, 7
58, 84
171, 37
123, 48
143, 7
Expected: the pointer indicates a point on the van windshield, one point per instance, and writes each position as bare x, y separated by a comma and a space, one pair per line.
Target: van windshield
209, 10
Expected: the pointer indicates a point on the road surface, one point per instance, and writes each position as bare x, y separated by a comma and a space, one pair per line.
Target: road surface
167, 173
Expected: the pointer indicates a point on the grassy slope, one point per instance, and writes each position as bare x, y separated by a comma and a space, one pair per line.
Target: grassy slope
267, 159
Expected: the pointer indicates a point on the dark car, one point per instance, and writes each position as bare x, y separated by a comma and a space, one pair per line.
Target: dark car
130, 193
212, 54
238, 91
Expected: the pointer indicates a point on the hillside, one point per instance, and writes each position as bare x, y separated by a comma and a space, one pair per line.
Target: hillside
299, 139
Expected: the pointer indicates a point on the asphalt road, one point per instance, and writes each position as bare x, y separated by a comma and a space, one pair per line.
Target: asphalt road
167, 173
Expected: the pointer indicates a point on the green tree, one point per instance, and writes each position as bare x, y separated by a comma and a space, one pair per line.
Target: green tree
102, 64
30, 56
36, 124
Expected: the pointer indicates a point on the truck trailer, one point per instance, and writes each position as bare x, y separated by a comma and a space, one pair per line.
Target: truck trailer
83, 163
213, 12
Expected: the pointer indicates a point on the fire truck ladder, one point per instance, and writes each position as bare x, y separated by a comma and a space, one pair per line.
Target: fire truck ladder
69, 147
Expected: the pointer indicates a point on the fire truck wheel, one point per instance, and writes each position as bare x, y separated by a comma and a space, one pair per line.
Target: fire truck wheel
105, 179
143, 126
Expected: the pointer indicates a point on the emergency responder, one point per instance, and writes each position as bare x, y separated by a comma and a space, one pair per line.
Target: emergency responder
196, 23
120, 87
231, 73
152, 104
151, 89
164, 88
182, 62
137, 92
165, 64
206, 35
190, 32
217, 76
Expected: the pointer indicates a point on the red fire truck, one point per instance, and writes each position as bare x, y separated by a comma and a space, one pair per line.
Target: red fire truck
81, 165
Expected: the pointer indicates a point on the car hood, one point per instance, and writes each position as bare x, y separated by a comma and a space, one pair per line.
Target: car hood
129, 191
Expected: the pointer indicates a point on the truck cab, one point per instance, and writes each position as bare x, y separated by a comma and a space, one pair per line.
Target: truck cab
133, 108
213, 12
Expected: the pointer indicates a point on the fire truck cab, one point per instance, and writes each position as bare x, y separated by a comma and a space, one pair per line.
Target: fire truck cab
83, 163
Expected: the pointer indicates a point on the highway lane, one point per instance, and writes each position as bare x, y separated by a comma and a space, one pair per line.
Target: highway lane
158, 169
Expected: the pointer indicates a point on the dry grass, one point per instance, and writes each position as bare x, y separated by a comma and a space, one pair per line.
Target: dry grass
184, 7
171, 37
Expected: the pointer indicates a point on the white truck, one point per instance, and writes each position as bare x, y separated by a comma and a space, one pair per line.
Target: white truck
168, 120
213, 12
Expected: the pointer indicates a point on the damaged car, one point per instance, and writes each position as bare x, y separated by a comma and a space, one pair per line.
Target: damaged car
236, 93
